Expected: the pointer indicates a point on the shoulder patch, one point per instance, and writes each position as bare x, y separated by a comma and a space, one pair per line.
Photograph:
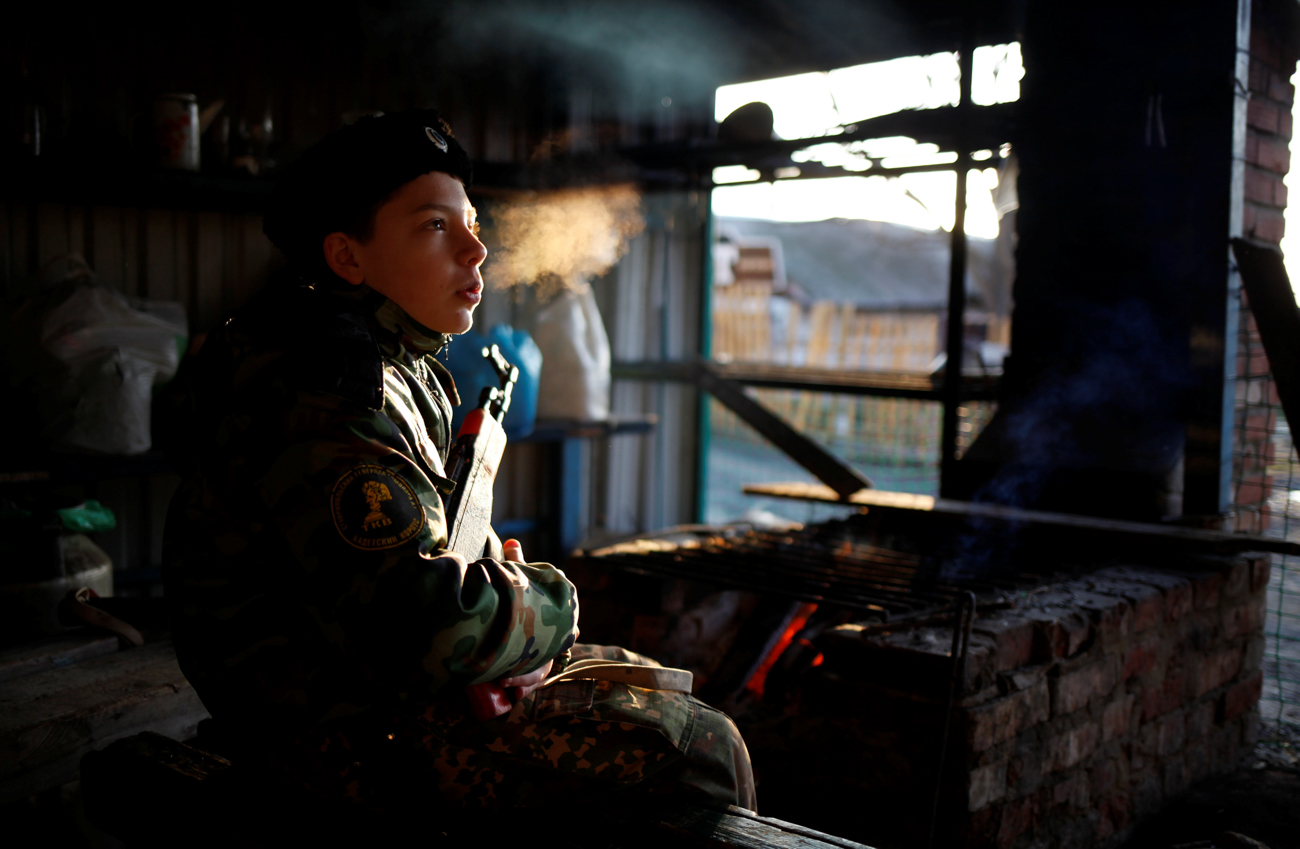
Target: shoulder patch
373, 508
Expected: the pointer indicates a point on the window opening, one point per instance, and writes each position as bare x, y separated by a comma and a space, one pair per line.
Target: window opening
850, 274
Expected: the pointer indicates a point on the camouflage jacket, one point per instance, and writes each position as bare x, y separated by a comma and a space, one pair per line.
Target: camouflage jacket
304, 559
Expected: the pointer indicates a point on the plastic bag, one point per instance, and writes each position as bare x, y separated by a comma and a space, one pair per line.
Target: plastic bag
100, 356
29, 602
42, 557
472, 372
575, 358
88, 517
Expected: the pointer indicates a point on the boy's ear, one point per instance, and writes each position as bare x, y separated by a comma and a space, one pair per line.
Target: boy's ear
341, 258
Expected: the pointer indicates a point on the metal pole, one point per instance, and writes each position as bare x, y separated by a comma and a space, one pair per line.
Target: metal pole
961, 631
703, 420
957, 278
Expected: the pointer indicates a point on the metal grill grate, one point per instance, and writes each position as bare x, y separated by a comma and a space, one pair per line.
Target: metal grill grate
824, 563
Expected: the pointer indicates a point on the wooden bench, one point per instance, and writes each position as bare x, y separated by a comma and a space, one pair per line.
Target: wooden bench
63, 697
150, 790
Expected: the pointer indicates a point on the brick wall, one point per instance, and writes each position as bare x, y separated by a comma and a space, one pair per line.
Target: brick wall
1268, 132
1268, 158
1084, 706
1255, 415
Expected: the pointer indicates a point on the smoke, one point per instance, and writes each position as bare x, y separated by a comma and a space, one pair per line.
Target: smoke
1114, 407
662, 45
557, 240
682, 48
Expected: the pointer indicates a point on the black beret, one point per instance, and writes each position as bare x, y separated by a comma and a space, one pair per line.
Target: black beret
336, 185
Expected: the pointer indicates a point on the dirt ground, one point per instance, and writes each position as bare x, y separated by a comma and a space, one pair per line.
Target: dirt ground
1260, 801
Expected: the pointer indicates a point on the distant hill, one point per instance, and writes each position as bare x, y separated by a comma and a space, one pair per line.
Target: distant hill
874, 264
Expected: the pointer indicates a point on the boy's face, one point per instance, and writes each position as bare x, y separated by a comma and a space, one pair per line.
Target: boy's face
424, 253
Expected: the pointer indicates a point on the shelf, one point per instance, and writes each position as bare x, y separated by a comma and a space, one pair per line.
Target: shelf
128, 185
556, 430
78, 468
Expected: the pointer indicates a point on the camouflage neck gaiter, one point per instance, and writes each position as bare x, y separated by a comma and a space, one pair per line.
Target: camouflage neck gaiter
406, 331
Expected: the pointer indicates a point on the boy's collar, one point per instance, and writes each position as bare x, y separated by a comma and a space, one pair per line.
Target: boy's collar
401, 328
413, 335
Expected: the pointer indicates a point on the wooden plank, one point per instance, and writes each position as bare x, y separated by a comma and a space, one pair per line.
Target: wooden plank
48, 720
1216, 541
53, 652
741, 828
846, 381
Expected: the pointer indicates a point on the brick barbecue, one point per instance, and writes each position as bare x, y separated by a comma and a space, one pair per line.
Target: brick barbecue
1086, 697
1083, 707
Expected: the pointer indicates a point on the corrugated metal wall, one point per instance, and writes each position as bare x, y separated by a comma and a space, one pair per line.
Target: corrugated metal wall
208, 261
651, 306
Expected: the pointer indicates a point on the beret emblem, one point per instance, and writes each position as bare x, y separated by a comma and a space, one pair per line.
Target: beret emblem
436, 138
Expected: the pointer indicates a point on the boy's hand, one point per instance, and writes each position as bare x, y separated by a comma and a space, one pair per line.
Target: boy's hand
520, 686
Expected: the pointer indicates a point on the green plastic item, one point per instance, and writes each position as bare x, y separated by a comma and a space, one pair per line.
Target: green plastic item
87, 518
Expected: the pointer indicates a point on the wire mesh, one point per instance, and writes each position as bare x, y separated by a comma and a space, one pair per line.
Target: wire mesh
1266, 500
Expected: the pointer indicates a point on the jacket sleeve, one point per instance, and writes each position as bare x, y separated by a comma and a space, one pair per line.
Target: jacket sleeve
366, 525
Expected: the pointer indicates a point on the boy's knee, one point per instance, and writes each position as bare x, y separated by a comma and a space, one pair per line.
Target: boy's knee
585, 651
715, 762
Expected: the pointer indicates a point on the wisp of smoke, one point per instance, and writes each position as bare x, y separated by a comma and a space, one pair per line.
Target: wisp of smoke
1118, 405
555, 240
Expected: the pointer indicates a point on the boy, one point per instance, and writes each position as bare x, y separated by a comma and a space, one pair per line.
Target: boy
315, 608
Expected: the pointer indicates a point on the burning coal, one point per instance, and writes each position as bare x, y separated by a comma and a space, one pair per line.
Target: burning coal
557, 240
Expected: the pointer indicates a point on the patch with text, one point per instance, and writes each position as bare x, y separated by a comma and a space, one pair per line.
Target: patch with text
374, 508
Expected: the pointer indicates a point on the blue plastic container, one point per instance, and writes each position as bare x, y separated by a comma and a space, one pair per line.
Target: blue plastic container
472, 372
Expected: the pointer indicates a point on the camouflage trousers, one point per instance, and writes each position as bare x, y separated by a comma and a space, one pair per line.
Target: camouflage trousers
574, 739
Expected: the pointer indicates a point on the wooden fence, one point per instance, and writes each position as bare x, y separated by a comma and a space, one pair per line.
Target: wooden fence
750, 324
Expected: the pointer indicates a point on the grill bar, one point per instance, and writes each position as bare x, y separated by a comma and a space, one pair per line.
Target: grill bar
826, 563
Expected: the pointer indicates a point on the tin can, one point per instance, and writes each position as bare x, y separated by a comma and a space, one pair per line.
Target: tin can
176, 131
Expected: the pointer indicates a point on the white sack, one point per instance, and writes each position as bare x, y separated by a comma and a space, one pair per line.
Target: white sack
104, 355
575, 358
